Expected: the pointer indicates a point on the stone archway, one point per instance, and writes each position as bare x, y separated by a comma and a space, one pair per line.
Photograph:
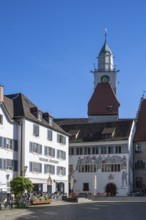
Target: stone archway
111, 189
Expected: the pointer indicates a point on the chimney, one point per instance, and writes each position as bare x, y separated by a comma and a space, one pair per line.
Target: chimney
1, 93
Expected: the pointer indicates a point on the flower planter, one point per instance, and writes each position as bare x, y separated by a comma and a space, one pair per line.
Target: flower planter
38, 202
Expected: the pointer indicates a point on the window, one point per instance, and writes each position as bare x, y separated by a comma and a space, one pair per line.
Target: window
61, 154
1, 119
88, 168
11, 165
85, 186
118, 150
87, 150
94, 150
140, 165
71, 168
8, 143
35, 167
49, 169
71, 151
103, 150
61, 139
110, 149
61, 171
2, 164
138, 148
36, 130
79, 151
35, 148
50, 135
49, 151
111, 167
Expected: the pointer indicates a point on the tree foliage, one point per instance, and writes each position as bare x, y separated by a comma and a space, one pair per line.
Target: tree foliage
20, 185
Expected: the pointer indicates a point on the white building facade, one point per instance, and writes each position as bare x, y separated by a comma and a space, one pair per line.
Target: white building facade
31, 145
102, 167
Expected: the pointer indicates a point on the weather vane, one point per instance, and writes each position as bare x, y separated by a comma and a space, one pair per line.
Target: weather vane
105, 33
143, 93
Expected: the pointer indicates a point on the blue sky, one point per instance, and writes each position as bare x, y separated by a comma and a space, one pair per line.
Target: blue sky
48, 47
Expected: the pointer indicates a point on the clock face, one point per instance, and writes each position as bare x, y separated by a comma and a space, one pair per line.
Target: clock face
105, 78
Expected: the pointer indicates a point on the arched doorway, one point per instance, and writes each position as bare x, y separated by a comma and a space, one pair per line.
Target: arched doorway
111, 189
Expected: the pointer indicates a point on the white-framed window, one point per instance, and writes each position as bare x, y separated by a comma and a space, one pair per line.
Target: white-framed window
1, 119
61, 139
95, 150
35, 167
49, 134
111, 167
118, 150
49, 151
138, 148
49, 169
61, 171
35, 148
71, 151
103, 150
8, 143
11, 165
87, 168
35, 130
61, 154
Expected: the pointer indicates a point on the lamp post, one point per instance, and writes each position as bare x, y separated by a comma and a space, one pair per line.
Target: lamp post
49, 183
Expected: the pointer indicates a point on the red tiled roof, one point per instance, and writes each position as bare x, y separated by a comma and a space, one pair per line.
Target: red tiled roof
103, 101
140, 134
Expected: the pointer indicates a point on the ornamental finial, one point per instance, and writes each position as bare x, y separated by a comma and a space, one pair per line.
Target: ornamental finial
105, 33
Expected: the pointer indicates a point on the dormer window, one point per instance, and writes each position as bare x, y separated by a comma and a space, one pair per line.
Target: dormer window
108, 132
48, 118
37, 113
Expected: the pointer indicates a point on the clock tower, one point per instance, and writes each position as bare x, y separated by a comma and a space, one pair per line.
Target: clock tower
106, 71
103, 105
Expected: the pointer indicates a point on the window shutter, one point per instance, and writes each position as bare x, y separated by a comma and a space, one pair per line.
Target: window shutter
64, 140
45, 151
30, 146
1, 163
45, 168
15, 165
30, 166
49, 134
40, 168
4, 144
36, 130
1, 142
58, 138
53, 152
40, 146
15, 143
